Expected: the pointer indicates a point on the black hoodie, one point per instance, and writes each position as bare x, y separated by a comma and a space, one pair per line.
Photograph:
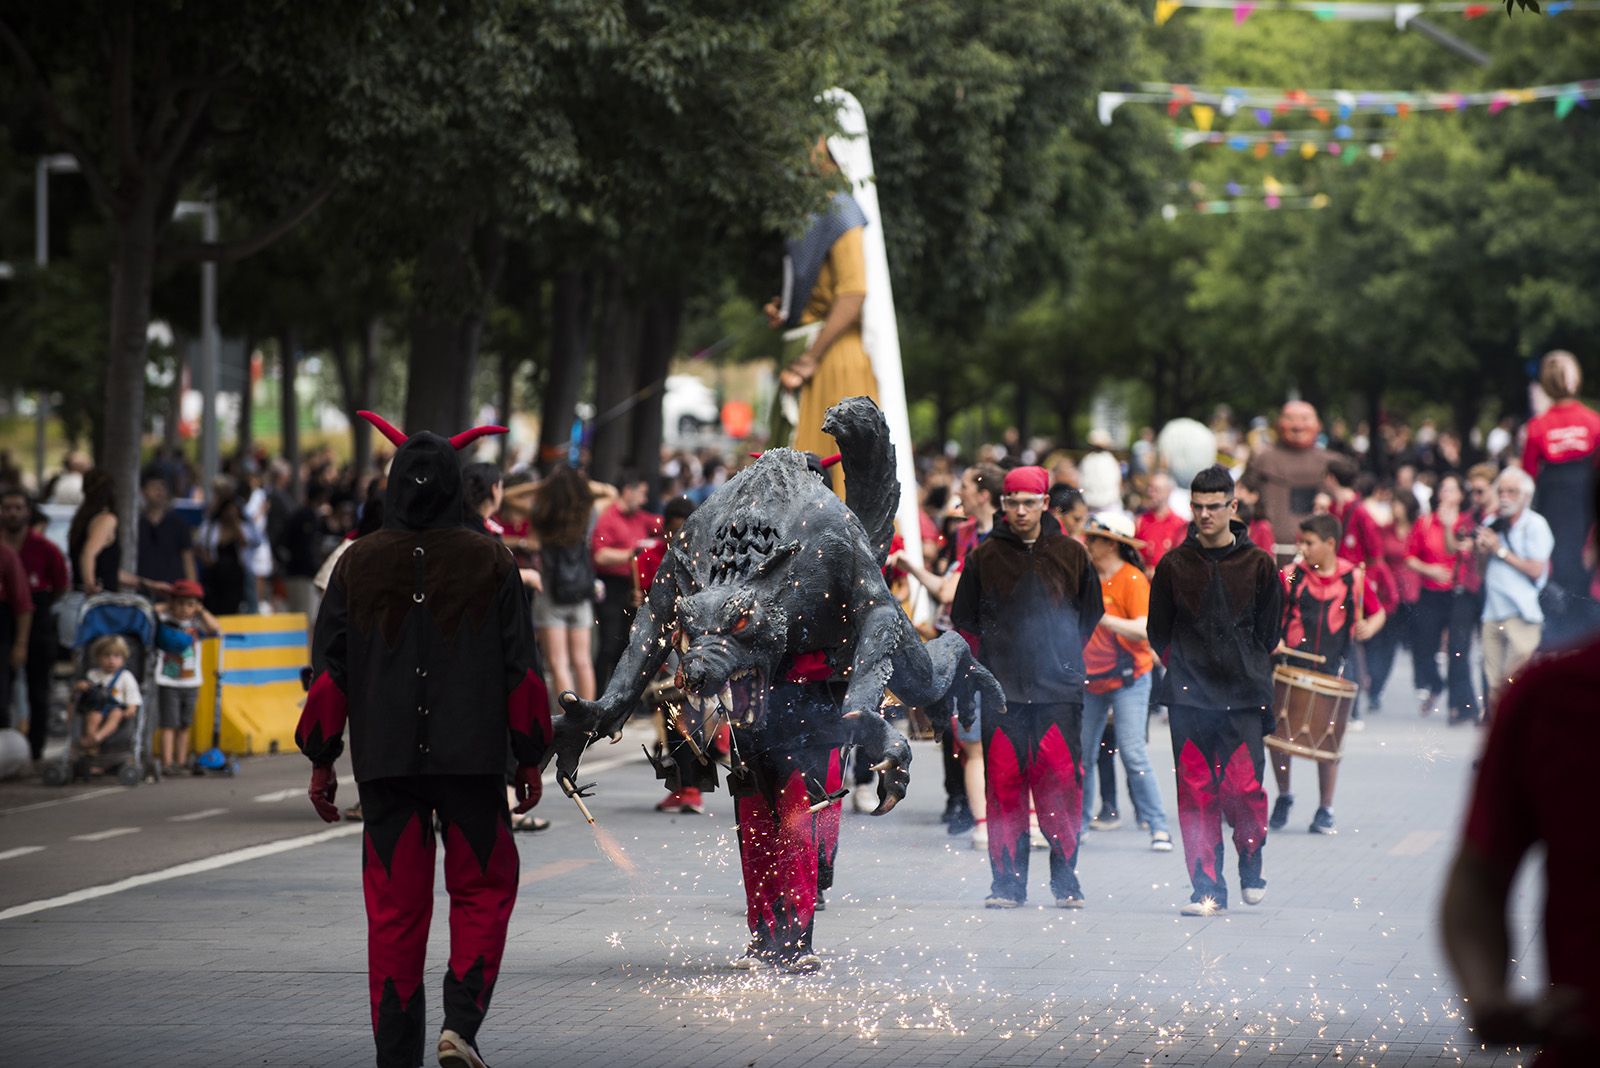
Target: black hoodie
1214, 621
424, 641
1032, 609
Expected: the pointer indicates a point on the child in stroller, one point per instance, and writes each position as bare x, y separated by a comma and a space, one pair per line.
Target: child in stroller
114, 634
108, 693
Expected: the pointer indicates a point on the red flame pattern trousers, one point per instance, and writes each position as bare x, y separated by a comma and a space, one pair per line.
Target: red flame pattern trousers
480, 875
1033, 751
1219, 757
787, 851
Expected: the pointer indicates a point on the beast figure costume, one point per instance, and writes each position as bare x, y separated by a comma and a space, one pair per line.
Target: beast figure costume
424, 646
773, 596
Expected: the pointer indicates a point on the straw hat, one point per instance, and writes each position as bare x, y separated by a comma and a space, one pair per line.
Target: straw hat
1113, 527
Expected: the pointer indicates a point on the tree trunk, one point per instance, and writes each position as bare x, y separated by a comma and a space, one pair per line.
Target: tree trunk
1022, 413
505, 386
132, 270
360, 429
570, 312
446, 330
616, 356
658, 338
288, 405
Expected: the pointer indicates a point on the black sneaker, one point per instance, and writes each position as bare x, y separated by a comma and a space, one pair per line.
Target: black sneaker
961, 822
1322, 822
951, 806
1280, 812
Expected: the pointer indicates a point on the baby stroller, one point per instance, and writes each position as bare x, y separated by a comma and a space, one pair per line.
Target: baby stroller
127, 751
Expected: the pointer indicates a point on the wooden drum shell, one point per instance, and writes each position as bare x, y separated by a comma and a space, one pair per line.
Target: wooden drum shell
1312, 711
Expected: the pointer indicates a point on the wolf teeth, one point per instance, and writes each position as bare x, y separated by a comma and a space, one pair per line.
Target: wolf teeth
726, 696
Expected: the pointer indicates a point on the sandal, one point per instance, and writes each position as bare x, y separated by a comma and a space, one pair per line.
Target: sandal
529, 822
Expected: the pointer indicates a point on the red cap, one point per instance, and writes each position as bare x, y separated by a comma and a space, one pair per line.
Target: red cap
188, 588
1027, 480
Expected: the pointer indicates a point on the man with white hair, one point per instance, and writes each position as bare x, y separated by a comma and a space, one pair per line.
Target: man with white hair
1516, 545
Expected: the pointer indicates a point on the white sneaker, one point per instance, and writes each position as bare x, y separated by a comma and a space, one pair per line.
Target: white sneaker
1161, 842
1037, 840
864, 798
980, 837
457, 1052
1253, 895
1207, 907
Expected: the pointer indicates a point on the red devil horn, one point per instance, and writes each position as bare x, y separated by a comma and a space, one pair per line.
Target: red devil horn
467, 437
829, 461
385, 428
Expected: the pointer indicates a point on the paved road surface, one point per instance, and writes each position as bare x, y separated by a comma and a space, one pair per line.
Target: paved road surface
217, 922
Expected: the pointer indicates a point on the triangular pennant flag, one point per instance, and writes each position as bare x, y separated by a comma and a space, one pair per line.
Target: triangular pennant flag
1474, 11
1281, 148
1565, 103
1272, 186
1204, 115
1241, 12
1335, 148
1273, 202
1165, 9
1497, 105
1263, 116
1326, 14
1238, 144
1320, 114
1308, 150
1344, 131
1320, 200
1261, 150
1350, 157
1402, 110
1559, 6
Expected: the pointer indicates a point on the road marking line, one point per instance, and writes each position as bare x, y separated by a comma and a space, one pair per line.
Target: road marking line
553, 870
193, 867
203, 814
221, 860
1415, 843
62, 801
280, 795
100, 836
20, 851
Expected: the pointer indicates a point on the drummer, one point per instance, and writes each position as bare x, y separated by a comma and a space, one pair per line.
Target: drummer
1329, 600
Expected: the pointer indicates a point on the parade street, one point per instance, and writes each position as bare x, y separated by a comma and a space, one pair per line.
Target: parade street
238, 935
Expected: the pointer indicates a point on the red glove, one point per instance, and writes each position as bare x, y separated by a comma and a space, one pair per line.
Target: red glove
324, 784
530, 788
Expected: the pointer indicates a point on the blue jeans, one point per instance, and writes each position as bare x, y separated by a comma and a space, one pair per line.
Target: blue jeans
1132, 707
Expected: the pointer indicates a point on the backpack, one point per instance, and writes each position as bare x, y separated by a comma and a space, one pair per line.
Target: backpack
568, 574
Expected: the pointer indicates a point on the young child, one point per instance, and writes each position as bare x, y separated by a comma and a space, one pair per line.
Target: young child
110, 677
178, 674
1330, 604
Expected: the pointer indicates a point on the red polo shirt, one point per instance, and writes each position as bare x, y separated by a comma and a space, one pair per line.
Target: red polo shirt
614, 530
1533, 777
46, 568
1160, 534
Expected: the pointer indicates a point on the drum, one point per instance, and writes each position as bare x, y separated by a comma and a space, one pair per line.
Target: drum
1312, 711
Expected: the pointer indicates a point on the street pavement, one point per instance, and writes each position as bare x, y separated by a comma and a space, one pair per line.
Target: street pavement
216, 921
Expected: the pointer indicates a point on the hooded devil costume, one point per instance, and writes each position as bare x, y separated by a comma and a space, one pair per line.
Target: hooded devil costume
424, 646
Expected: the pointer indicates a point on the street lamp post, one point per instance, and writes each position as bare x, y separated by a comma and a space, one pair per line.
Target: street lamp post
209, 370
47, 165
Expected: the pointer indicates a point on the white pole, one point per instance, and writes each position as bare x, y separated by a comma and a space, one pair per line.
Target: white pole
880, 330
209, 369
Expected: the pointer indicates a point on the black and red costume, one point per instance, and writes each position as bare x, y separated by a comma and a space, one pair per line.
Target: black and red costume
1320, 612
424, 646
1214, 621
1029, 610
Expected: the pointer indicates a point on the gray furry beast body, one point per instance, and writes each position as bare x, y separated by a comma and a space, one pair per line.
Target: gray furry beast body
774, 566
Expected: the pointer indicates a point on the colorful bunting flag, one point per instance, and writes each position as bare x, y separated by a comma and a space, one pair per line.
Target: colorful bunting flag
1204, 115
1400, 12
1565, 103
1241, 12
1263, 116
1165, 9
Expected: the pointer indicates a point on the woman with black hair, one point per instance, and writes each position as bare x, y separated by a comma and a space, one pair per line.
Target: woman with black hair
94, 545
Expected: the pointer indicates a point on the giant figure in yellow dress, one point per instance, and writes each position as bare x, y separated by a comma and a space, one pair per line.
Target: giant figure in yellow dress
825, 263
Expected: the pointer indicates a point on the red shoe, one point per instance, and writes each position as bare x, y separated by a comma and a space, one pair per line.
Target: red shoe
673, 802
689, 800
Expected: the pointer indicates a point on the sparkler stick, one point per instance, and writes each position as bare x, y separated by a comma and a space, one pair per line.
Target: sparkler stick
576, 794
687, 735
837, 795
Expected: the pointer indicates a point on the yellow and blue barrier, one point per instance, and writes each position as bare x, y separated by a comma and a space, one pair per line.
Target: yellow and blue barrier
261, 693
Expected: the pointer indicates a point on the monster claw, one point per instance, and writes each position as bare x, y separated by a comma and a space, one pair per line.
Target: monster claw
616, 737
886, 764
